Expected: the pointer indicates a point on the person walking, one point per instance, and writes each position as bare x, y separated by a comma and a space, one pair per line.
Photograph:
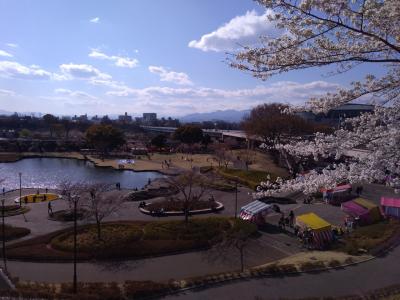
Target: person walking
49, 209
291, 219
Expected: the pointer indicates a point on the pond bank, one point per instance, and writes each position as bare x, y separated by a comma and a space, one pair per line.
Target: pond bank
139, 166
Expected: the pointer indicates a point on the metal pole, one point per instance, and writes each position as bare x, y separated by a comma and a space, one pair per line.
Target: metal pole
4, 233
20, 189
75, 250
236, 194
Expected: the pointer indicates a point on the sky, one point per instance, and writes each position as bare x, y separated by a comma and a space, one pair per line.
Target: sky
71, 57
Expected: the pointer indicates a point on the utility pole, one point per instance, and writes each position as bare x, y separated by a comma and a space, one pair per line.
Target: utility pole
4, 233
75, 200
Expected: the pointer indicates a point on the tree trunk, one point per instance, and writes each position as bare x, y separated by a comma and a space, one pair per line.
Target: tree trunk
98, 225
241, 259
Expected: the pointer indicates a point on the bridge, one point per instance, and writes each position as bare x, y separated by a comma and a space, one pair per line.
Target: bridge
239, 134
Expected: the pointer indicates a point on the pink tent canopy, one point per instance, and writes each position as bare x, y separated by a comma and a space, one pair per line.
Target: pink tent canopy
392, 202
357, 211
339, 188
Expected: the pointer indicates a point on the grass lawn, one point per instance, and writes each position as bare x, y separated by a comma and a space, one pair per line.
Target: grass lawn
123, 240
13, 210
250, 178
12, 233
369, 237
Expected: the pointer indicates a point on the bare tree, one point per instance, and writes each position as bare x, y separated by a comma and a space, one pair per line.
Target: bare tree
246, 156
238, 238
223, 154
100, 203
192, 186
70, 190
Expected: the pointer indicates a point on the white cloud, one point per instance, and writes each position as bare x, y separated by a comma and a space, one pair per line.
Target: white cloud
180, 101
5, 54
11, 69
12, 45
74, 94
82, 71
240, 31
7, 93
171, 76
119, 61
95, 20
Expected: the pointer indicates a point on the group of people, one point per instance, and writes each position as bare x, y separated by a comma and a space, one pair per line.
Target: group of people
286, 221
166, 163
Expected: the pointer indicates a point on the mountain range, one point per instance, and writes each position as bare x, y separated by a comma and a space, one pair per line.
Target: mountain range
229, 115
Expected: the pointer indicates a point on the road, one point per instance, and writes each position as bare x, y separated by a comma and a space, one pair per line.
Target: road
358, 279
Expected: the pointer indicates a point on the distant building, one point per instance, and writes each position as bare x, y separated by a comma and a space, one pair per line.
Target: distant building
125, 118
336, 115
81, 118
95, 119
349, 110
149, 118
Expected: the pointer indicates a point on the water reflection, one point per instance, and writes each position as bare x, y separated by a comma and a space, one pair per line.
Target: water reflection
49, 172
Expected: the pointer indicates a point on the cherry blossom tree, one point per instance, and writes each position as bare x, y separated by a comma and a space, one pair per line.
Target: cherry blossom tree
344, 34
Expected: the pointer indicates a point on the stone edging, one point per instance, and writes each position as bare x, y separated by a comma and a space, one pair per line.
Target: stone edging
180, 213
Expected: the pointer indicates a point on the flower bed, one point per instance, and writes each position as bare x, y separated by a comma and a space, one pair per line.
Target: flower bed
33, 198
124, 240
178, 205
66, 215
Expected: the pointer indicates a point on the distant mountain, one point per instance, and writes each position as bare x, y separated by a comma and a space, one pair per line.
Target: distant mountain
229, 115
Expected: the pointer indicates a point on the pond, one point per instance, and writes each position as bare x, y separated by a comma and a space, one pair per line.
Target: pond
49, 172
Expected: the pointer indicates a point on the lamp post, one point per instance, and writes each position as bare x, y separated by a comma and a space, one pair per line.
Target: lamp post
236, 196
3, 232
20, 189
75, 200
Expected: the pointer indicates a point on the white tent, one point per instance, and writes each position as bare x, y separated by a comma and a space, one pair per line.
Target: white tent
255, 211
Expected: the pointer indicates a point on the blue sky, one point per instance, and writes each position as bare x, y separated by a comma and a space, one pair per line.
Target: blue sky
108, 57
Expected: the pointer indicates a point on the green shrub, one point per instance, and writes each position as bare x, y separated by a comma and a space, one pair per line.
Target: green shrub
334, 263
206, 169
288, 268
12, 233
139, 289
311, 266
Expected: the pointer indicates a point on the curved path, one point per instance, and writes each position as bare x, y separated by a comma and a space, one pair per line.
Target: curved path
353, 280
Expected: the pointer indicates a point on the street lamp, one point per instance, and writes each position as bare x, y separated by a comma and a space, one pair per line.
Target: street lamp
3, 232
236, 196
75, 200
20, 189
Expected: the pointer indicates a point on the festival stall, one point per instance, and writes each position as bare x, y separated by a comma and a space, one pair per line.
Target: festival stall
320, 230
391, 206
255, 212
356, 211
337, 195
373, 209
